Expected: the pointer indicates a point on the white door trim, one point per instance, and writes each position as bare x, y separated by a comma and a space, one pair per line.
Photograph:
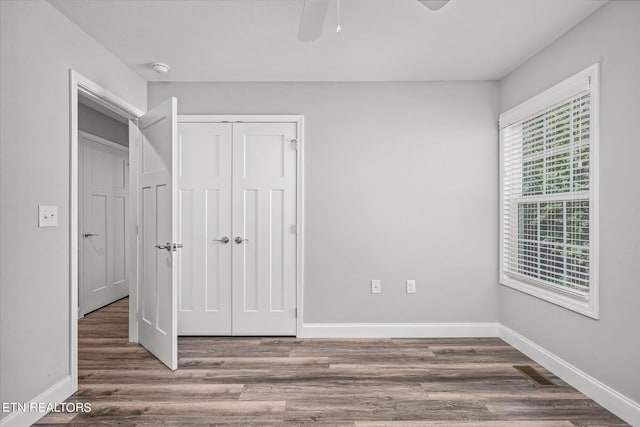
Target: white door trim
238, 118
276, 118
103, 141
80, 85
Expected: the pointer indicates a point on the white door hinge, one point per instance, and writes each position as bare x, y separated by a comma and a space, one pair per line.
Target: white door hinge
295, 143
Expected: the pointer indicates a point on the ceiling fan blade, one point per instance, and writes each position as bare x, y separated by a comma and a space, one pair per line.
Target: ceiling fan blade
312, 19
434, 4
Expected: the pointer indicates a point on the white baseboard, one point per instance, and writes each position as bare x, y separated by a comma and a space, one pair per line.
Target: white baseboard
57, 393
601, 393
398, 330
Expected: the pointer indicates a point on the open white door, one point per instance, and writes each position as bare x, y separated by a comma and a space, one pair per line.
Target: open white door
157, 198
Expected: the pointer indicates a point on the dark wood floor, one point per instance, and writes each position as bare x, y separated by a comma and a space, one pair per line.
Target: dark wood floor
286, 381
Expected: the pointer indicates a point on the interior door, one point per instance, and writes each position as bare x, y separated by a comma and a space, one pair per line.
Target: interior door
103, 238
204, 181
157, 183
264, 228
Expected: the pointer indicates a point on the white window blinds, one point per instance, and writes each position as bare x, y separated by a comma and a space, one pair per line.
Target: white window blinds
547, 197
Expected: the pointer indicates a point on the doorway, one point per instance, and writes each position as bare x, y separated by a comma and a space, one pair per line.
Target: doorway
103, 203
153, 139
90, 93
103, 229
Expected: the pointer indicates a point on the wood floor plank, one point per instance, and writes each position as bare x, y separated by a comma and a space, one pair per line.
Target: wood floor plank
203, 413
427, 423
215, 409
306, 412
158, 375
58, 418
450, 342
500, 395
576, 411
332, 392
160, 392
253, 362
282, 381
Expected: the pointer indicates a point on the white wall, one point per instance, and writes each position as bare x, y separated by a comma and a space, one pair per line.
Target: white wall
607, 349
401, 183
99, 124
38, 45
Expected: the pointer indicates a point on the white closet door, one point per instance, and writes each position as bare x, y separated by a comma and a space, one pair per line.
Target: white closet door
264, 229
204, 182
104, 188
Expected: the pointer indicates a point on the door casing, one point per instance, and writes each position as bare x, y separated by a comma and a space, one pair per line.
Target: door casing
299, 120
80, 85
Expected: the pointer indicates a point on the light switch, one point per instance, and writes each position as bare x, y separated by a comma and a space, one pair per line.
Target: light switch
47, 216
411, 286
376, 287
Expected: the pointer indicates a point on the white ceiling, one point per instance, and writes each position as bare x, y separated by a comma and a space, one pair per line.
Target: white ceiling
381, 40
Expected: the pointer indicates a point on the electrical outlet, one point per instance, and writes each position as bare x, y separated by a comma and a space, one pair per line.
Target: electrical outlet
47, 216
411, 286
376, 287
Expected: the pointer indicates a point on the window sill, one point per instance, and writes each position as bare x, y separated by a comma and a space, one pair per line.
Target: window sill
587, 307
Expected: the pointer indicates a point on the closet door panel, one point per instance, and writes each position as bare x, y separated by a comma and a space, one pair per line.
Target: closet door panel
204, 263
264, 222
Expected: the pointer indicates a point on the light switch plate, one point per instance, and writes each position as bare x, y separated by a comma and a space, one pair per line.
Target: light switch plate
411, 286
47, 216
376, 287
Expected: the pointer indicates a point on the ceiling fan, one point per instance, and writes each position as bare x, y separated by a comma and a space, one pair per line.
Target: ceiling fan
314, 12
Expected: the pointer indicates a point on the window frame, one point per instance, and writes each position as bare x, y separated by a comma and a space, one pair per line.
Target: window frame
588, 306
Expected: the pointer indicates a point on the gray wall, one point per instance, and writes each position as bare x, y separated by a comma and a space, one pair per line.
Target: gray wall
609, 348
401, 183
98, 124
38, 45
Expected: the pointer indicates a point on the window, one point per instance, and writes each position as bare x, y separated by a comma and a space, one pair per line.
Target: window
549, 208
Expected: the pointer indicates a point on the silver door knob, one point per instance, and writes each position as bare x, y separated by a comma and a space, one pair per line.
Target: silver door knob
85, 235
167, 246
170, 247
240, 240
224, 240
